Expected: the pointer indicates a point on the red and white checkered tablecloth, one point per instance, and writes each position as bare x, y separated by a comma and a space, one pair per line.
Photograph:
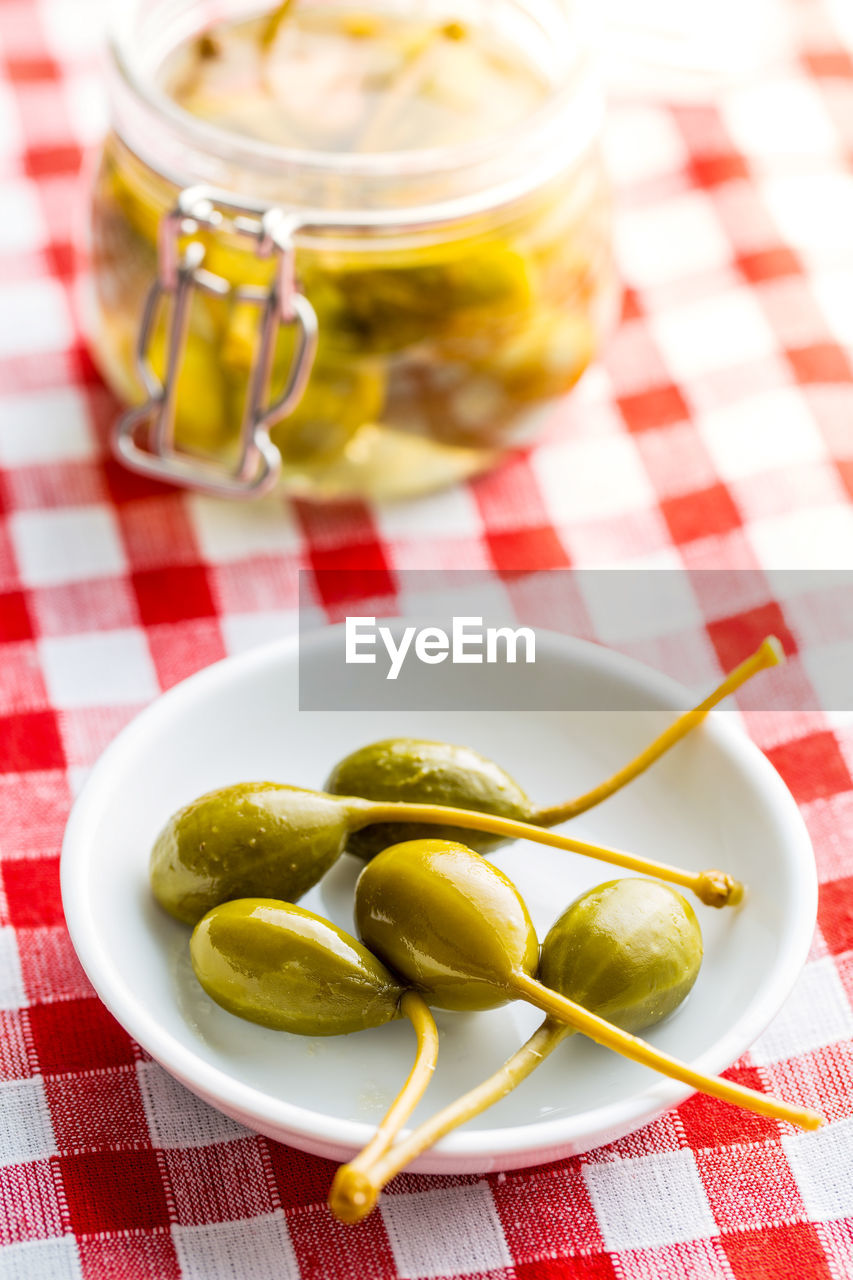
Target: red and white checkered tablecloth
718, 432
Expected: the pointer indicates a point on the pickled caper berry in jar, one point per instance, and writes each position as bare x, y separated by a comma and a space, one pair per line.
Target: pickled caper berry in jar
441, 174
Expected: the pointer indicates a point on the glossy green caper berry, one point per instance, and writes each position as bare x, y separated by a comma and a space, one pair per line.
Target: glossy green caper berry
447, 921
629, 950
279, 965
423, 772
255, 839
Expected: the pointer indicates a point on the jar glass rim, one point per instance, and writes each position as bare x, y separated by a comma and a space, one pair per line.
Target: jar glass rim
256, 153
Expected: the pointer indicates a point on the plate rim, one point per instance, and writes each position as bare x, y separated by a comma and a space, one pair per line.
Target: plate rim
308, 1128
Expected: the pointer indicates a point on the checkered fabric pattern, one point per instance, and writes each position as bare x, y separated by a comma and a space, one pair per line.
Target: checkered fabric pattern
717, 432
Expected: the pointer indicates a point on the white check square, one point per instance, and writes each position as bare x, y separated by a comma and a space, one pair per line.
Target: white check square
627, 605
452, 513
36, 318
106, 668
762, 433
777, 117
821, 1163
44, 426
176, 1117
445, 1232
74, 30
11, 141
834, 292
592, 479
642, 141
86, 107
667, 241
67, 545
228, 1250
244, 631
650, 1201
12, 993
814, 215
238, 530
26, 1133
56, 1259
713, 333
817, 1012
811, 538
22, 227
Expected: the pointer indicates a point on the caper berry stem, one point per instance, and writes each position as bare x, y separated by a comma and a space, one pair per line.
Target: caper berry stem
714, 888
357, 1185
769, 654
630, 1046
347, 1198
275, 22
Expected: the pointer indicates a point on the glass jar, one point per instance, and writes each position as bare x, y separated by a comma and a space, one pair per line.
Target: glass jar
394, 320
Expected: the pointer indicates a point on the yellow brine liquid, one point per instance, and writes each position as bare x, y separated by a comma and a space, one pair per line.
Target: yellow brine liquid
438, 350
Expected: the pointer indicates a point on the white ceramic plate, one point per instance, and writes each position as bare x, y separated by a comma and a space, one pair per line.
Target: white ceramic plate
713, 801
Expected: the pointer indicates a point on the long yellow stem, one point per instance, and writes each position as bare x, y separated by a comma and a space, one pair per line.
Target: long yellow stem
769, 654
359, 1190
629, 1046
357, 1185
275, 22
714, 888
344, 1197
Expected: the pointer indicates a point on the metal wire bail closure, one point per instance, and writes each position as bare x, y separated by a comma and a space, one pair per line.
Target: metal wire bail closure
144, 437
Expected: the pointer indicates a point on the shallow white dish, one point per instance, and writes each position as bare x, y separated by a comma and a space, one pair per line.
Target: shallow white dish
713, 801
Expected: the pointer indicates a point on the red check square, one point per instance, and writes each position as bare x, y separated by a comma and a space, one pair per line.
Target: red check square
812, 767
77, 1035
769, 264
24, 70
659, 407
701, 514
173, 594
734, 638
835, 914
15, 621
113, 1191
32, 891
124, 485
520, 550
712, 170
785, 1253
41, 161
835, 63
709, 1123
30, 740
822, 362
299, 1177
346, 574
593, 1266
